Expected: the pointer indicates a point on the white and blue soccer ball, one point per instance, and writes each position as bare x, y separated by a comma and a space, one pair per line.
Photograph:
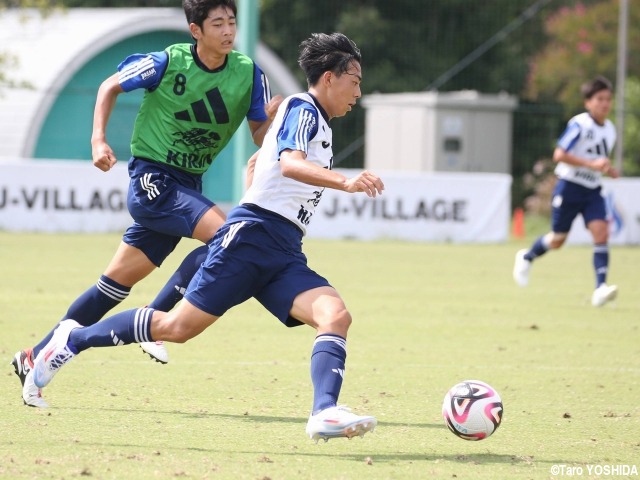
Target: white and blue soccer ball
472, 410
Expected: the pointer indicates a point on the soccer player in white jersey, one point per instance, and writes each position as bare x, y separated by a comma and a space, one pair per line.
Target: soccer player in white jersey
582, 154
258, 251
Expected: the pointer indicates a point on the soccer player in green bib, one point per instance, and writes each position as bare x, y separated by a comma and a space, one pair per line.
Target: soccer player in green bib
196, 97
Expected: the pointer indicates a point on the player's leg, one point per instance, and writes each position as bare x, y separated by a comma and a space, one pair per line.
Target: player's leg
173, 291
323, 309
225, 279
128, 266
595, 219
563, 211
131, 326
176, 208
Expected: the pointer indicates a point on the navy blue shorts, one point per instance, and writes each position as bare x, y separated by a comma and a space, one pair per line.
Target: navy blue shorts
570, 199
166, 205
245, 261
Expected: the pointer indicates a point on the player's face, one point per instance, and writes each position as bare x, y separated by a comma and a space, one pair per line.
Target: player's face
599, 105
218, 32
344, 91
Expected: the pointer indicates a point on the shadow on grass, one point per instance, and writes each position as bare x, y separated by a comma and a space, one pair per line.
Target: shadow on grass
245, 417
475, 459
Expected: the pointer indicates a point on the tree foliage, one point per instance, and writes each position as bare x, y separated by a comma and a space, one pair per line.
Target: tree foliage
582, 44
407, 44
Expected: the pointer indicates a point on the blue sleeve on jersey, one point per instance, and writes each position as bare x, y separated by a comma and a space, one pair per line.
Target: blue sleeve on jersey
300, 125
260, 96
569, 137
142, 70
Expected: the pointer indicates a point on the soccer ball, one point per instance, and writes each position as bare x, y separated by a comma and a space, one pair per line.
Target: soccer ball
472, 410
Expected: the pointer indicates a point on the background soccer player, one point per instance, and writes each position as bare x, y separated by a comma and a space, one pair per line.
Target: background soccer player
196, 97
258, 251
582, 154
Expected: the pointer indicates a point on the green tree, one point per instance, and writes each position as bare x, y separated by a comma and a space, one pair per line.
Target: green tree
407, 44
582, 44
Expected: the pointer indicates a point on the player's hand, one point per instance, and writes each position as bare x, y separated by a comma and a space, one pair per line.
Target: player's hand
271, 108
601, 164
103, 156
366, 182
612, 172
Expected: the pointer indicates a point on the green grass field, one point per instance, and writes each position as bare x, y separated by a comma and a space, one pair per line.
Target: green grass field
233, 402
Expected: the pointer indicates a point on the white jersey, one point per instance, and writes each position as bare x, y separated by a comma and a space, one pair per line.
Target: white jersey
586, 139
300, 124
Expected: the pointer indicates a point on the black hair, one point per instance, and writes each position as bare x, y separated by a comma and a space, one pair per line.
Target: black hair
197, 11
323, 53
596, 85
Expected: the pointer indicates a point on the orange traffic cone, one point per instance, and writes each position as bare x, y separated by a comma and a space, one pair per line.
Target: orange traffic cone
517, 225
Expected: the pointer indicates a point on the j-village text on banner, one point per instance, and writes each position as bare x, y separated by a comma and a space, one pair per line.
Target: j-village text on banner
74, 196
452, 207
62, 196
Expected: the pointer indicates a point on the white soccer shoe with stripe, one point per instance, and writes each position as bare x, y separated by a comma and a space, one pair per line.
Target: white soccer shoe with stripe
521, 268
156, 350
54, 355
336, 422
603, 294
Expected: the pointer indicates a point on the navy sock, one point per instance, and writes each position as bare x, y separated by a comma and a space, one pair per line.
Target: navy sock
538, 249
130, 326
327, 370
92, 305
601, 262
174, 289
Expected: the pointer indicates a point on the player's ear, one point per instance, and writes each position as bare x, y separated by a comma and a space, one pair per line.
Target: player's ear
327, 77
195, 30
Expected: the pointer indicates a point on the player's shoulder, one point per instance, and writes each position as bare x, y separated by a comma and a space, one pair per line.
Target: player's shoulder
301, 99
582, 119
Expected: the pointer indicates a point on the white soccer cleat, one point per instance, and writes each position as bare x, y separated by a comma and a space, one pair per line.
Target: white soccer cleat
156, 350
521, 268
54, 355
31, 394
603, 294
338, 422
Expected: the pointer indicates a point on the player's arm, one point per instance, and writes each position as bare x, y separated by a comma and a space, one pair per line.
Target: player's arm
602, 164
300, 125
259, 129
136, 71
251, 168
103, 156
294, 164
263, 107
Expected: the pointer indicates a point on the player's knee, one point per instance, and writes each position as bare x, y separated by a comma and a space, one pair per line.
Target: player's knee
557, 240
337, 320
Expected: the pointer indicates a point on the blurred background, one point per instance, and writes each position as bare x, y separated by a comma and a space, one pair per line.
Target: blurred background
535, 52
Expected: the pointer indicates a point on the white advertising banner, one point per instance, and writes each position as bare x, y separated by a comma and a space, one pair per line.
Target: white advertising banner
622, 198
74, 196
62, 196
439, 207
